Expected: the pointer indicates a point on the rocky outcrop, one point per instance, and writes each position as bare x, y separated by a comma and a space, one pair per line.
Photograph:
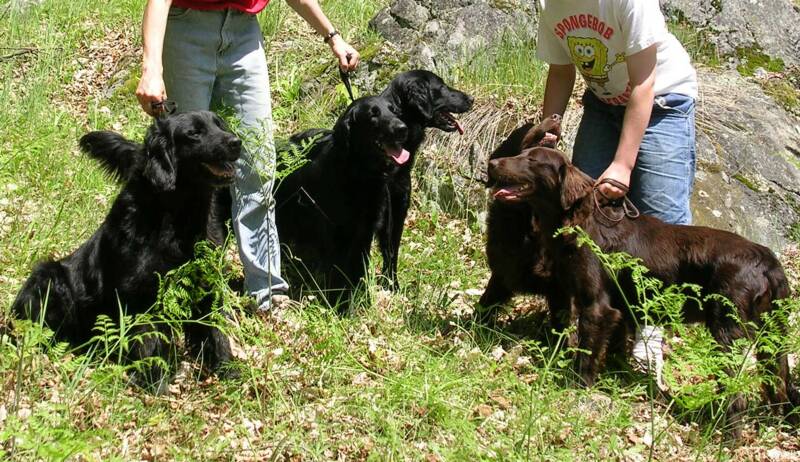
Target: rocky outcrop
748, 147
748, 154
766, 25
441, 33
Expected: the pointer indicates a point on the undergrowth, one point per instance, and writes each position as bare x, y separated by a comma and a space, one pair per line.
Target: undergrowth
407, 376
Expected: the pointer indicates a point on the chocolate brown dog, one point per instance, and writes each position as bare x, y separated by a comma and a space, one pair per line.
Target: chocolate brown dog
513, 249
747, 274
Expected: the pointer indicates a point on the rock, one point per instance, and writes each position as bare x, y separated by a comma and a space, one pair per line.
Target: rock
409, 14
748, 161
768, 25
444, 33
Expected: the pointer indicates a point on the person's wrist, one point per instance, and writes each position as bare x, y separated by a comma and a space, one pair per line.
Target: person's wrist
335, 41
151, 67
331, 36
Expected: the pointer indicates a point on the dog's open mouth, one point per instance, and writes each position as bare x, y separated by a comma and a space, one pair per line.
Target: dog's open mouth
398, 153
221, 170
512, 193
448, 122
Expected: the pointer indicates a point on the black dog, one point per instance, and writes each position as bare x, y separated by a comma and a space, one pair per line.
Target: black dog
422, 100
328, 210
514, 250
165, 207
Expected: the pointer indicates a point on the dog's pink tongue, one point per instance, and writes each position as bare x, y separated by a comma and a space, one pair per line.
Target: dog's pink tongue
455, 122
458, 126
400, 155
503, 193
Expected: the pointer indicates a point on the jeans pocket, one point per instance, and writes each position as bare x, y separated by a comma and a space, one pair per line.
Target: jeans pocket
674, 103
177, 12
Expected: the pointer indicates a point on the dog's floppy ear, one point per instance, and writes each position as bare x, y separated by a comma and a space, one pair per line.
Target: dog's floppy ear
574, 185
118, 156
160, 167
419, 98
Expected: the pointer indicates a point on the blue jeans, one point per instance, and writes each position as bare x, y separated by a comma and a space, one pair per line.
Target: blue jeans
662, 179
216, 60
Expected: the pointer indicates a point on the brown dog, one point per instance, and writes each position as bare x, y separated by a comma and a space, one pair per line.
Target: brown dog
559, 194
513, 251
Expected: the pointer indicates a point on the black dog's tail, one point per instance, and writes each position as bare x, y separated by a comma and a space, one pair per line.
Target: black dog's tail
47, 294
120, 157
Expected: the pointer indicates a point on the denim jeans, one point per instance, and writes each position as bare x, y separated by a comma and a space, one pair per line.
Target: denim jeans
215, 60
663, 176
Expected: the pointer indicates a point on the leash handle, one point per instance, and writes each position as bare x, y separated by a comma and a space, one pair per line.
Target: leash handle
345, 76
163, 108
628, 208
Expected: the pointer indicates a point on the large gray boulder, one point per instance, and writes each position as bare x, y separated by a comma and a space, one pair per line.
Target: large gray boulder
439, 34
769, 25
748, 153
748, 147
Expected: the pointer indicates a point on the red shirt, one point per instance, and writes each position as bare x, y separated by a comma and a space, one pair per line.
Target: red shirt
248, 6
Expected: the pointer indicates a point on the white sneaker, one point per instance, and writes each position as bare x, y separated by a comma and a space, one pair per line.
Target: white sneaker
648, 356
277, 302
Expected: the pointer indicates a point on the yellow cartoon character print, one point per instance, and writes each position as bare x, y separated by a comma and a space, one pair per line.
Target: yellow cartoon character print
591, 57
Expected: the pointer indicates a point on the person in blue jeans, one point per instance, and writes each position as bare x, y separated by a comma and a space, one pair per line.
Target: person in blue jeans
638, 125
209, 54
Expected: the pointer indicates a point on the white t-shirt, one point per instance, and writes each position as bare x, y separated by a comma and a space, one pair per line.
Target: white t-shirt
597, 36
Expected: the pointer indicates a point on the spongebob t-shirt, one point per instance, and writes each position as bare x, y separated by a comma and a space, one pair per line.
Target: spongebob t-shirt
597, 36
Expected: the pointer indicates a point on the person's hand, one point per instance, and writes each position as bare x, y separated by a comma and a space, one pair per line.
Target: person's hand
618, 172
342, 50
151, 90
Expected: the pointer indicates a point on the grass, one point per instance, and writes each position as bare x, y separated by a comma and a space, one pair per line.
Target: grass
406, 377
696, 43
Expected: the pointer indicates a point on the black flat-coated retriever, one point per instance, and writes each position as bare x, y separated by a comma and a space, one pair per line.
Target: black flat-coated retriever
747, 274
422, 100
514, 251
165, 207
328, 210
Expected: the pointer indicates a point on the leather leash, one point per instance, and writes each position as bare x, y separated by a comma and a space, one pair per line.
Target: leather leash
628, 209
345, 76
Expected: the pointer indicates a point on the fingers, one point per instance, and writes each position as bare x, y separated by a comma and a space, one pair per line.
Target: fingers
347, 55
348, 58
355, 58
151, 90
610, 192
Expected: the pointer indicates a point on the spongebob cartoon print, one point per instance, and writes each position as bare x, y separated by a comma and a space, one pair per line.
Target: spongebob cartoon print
590, 55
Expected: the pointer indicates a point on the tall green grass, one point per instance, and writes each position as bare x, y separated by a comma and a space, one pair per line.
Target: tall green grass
406, 377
